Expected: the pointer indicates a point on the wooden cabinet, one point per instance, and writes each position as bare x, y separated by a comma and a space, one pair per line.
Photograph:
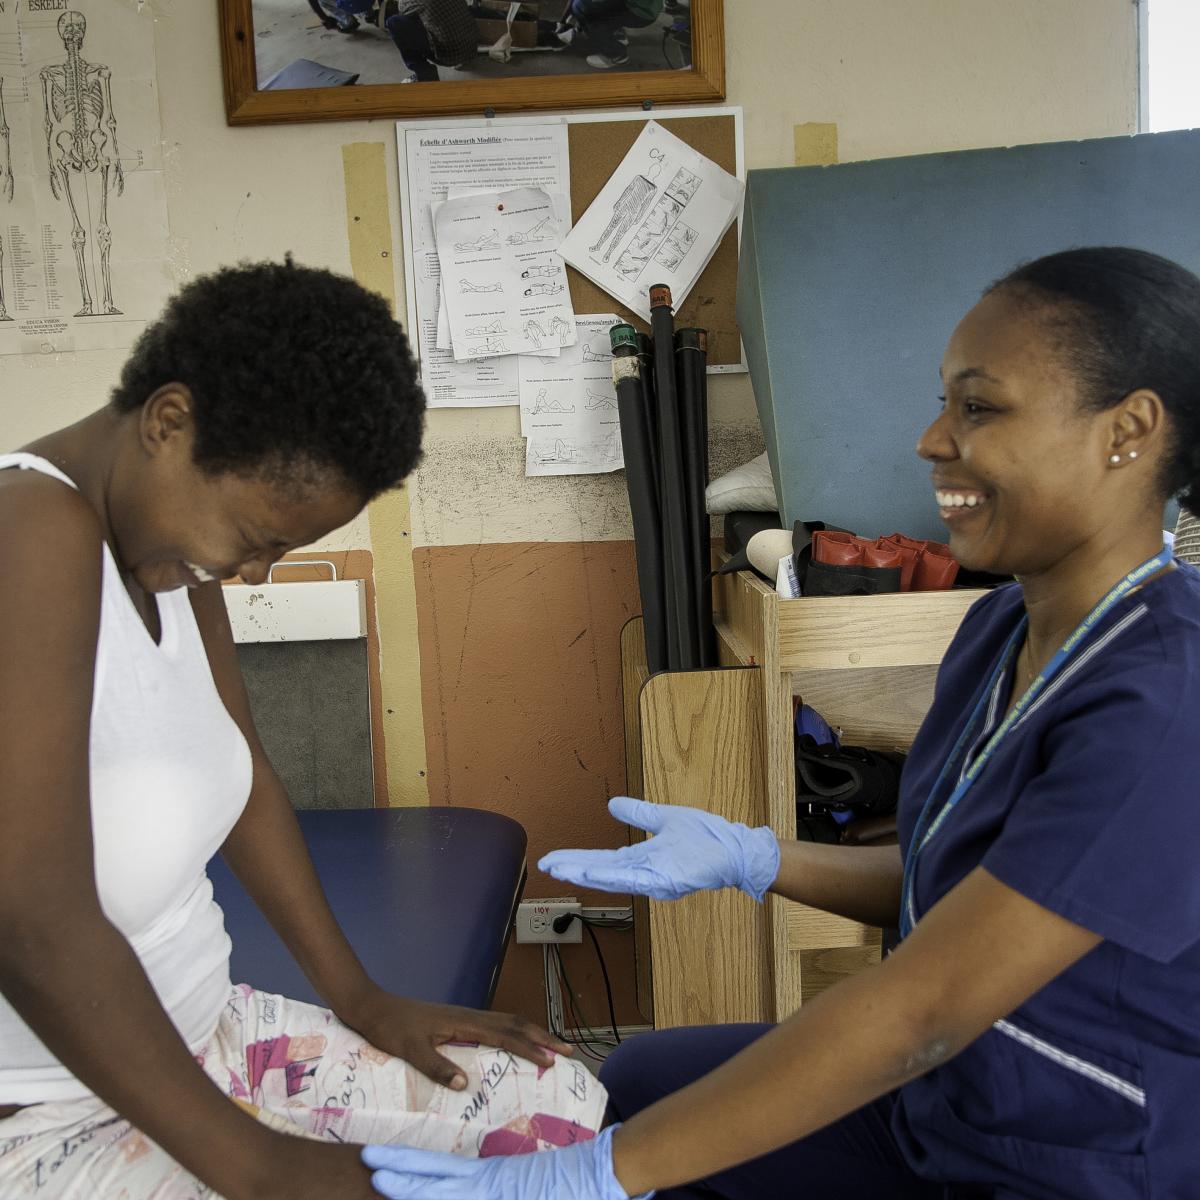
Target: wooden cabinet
723, 740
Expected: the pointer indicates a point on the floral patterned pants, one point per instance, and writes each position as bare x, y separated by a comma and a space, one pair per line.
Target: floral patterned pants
296, 1068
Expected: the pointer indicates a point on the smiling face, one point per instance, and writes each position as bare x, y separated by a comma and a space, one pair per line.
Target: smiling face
176, 525
1021, 471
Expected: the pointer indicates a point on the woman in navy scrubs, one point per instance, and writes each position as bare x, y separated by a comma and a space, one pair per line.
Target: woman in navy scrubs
1036, 1034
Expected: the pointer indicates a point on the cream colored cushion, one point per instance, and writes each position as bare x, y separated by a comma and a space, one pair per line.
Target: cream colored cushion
748, 488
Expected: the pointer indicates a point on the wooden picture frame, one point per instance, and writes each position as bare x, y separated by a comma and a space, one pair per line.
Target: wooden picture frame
245, 104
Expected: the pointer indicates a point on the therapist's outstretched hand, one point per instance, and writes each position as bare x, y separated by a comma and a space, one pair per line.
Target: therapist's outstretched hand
580, 1172
691, 851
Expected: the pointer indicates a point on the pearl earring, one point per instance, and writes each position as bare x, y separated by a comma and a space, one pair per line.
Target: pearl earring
1133, 454
1114, 459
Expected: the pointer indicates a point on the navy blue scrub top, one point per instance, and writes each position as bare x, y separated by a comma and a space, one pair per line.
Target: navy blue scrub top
1090, 807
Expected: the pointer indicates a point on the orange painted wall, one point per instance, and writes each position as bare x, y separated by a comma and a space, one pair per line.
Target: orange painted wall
521, 692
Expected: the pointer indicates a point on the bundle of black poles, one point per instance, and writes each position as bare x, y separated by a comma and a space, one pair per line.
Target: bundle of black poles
638, 447
663, 406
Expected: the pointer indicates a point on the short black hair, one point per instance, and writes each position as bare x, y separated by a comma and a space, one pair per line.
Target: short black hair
294, 371
1127, 319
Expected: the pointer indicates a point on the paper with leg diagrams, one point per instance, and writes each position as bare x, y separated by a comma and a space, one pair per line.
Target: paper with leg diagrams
504, 284
83, 215
658, 219
569, 406
531, 273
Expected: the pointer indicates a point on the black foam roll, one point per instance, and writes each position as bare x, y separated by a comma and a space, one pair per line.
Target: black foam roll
642, 486
646, 359
691, 360
683, 636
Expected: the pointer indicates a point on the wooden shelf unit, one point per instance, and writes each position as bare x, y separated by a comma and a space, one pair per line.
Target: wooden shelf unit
723, 740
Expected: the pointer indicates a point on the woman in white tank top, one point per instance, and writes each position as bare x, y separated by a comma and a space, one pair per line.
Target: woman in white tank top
263, 410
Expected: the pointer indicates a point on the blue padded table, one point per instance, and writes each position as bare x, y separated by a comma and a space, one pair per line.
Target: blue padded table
426, 897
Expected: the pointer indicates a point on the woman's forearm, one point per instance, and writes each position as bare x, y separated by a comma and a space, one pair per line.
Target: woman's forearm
266, 851
977, 954
845, 1048
859, 882
78, 985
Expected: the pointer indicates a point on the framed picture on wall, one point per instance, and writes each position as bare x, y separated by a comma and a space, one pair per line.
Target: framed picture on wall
337, 60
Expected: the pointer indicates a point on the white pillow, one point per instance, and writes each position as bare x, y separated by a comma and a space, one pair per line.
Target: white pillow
748, 488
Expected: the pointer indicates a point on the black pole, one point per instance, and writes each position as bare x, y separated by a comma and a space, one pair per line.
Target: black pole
646, 358
682, 639
643, 491
650, 391
691, 360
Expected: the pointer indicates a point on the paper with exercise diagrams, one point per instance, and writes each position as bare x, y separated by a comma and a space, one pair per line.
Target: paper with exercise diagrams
562, 210
504, 284
444, 160
569, 406
659, 219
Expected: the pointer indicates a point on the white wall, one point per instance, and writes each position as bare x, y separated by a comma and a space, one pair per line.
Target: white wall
897, 77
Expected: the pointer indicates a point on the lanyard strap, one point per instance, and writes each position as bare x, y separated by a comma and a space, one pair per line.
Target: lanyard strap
926, 829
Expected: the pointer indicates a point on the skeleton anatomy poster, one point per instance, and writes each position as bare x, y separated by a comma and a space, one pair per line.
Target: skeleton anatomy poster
83, 216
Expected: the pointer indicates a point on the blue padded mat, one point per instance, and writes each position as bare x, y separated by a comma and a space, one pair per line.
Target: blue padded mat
425, 895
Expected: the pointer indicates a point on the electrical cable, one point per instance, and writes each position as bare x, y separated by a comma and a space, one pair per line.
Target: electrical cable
571, 1022
584, 1043
581, 1024
555, 1021
560, 925
612, 1008
555, 1007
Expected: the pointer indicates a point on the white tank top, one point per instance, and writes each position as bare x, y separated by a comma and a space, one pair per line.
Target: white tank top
170, 775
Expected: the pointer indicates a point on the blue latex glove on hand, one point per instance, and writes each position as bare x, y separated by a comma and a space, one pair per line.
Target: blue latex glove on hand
580, 1172
691, 851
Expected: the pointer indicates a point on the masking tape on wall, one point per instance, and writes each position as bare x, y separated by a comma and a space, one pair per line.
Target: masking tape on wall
369, 229
816, 144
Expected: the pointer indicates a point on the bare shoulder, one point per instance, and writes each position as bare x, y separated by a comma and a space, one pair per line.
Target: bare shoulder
50, 549
36, 509
50, 584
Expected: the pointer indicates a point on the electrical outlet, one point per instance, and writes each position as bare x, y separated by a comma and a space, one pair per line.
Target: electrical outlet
535, 920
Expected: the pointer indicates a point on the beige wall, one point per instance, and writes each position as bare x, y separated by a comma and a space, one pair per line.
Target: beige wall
895, 76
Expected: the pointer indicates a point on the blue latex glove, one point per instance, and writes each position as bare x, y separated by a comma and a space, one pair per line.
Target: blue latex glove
691, 851
580, 1172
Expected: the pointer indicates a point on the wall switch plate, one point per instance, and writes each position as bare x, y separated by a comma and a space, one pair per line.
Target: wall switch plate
535, 920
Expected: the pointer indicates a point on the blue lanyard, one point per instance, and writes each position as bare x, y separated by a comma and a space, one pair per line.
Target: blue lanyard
926, 829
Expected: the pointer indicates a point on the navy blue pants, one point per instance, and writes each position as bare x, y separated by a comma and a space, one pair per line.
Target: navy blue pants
853, 1159
602, 22
412, 40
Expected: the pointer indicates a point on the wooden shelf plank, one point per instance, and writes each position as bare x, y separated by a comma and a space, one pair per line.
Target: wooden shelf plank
812, 929
903, 629
702, 745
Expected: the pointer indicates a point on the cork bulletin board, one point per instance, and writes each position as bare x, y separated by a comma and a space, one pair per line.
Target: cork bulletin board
597, 147
597, 143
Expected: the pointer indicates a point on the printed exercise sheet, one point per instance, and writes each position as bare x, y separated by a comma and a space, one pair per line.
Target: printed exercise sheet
569, 406
562, 211
445, 160
83, 214
658, 219
503, 281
